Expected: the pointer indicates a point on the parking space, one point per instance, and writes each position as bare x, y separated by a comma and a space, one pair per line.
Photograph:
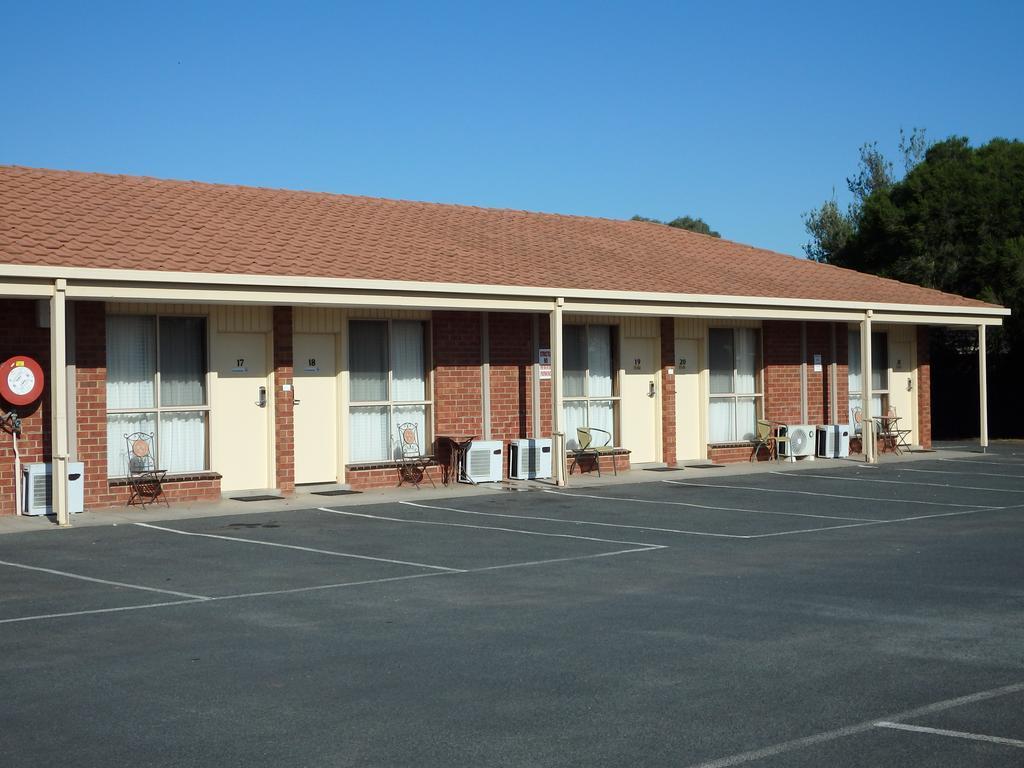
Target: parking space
823, 614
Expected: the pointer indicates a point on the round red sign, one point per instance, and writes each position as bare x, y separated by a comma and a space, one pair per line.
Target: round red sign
21, 380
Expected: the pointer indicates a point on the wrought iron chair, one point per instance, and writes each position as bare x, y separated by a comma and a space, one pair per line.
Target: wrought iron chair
145, 479
587, 449
412, 462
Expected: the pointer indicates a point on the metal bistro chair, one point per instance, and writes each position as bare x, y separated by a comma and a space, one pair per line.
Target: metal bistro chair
587, 449
412, 462
145, 479
768, 437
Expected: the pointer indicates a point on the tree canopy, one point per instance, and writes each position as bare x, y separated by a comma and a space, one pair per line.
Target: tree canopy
954, 222
697, 225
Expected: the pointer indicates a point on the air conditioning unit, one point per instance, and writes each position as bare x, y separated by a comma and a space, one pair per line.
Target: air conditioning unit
800, 443
38, 488
483, 462
529, 459
834, 440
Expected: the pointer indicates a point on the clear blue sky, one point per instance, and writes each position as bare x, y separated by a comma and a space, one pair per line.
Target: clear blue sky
746, 114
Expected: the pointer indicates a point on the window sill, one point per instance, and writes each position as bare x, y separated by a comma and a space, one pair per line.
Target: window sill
430, 460
178, 477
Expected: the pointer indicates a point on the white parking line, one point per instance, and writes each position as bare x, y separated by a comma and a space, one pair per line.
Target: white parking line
578, 522
1008, 463
479, 527
962, 474
827, 495
898, 482
851, 730
103, 610
329, 552
956, 734
80, 577
342, 585
703, 506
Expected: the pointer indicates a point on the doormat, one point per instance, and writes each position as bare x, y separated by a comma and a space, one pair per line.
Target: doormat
921, 450
662, 469
333, 493
264, 497
705, 466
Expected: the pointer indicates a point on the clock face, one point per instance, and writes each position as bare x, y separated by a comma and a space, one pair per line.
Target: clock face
21, 381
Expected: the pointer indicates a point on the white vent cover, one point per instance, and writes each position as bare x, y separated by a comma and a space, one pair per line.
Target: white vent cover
529, 459
483, 462
38, 488
834, 441
800, 443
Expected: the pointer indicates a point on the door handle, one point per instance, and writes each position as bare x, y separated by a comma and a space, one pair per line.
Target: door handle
650, 391
262, 397
910, 384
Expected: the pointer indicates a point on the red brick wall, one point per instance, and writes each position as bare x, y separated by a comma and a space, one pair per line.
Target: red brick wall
457, 380
668, 391
386, 477
91, 399
729, 454
924, 388
21, 337
545, 384
284, 402
511, 366
781, 344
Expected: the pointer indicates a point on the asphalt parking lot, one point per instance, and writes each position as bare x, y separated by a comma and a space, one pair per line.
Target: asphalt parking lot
831, 614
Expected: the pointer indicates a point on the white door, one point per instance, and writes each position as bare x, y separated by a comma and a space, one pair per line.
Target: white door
241, 425
688, 439
641, 406
901, 386
316, 408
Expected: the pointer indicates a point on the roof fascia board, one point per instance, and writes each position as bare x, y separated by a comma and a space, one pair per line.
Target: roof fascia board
711, 311
918, 319
310, 297
391, 286
25, 289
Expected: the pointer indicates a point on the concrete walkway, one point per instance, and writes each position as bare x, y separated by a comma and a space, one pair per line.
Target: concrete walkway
304, 498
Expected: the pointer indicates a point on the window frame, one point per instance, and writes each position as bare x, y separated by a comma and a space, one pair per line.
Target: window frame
880, 340
735, 397
427, 435
157, 409
586, 398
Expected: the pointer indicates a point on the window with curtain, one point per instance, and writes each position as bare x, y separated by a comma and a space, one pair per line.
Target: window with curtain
879, 373
734, 362
588, 380
156, 383
387, 387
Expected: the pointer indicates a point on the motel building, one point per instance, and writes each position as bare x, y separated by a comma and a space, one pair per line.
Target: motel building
272, 338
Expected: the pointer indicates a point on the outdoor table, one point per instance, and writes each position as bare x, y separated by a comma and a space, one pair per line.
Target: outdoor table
451, 454
889, 431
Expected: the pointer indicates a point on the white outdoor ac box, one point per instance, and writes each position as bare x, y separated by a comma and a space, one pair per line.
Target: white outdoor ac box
800, 443
483, 462
529, 459
38, 488
834, 441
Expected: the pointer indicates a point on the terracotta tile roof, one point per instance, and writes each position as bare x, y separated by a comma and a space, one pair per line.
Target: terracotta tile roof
64, 218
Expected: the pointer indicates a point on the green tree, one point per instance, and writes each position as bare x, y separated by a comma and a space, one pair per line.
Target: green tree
954, 222
829, 227
697, 225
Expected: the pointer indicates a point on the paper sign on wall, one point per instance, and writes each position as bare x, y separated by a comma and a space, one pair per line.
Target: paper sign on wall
817, 363
544, 358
